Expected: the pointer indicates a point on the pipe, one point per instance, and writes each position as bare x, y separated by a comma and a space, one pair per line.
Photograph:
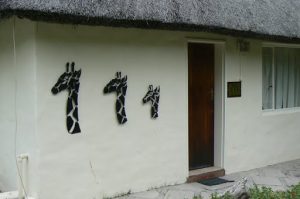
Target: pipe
22, 175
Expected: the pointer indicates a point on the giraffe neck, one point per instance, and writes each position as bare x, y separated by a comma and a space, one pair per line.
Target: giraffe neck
120, 105
154, 107
72, 111
154, 110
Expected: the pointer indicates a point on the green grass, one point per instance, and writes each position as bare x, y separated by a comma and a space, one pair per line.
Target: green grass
268, 193
264, 193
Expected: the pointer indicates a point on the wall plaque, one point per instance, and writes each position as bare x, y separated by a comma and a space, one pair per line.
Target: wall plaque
234, 89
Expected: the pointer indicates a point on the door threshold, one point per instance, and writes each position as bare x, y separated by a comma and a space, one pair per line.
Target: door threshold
205, 173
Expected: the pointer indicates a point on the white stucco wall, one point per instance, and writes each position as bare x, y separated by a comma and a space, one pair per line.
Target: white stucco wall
17, 104
7, 106
254, 138
107, 159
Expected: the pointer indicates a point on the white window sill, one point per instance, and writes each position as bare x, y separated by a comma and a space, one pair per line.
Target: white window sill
281, 111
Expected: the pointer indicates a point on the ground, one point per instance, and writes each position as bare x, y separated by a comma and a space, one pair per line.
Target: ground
279, 177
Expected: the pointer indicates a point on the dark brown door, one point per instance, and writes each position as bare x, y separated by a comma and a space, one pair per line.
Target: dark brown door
201, 105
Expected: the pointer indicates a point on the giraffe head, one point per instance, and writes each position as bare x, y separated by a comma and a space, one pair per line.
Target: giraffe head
116, 84
151, 95
67, 80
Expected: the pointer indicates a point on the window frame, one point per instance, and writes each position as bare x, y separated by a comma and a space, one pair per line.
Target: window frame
273, 46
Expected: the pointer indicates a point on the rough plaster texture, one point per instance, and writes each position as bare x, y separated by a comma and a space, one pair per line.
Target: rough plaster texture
18, 102
254, 137
7, 107
107, 159
110, 153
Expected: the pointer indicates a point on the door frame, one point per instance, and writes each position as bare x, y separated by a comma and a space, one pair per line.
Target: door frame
219, 98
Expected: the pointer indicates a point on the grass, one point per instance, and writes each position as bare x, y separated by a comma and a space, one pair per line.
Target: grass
268, 193
264, 193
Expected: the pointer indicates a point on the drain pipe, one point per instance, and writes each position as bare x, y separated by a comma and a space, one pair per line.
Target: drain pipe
22, 175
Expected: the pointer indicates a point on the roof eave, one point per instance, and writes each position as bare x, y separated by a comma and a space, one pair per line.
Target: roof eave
63, 18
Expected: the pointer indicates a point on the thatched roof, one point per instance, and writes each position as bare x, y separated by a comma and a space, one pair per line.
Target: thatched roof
277, 19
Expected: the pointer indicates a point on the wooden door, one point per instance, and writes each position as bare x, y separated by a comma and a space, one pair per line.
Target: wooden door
201, 105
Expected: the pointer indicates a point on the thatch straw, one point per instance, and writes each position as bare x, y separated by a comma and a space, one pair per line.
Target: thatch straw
259, 18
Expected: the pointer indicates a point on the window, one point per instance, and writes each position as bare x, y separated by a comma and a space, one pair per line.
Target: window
281, 77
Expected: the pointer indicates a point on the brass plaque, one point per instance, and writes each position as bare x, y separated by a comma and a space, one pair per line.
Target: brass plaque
234, 89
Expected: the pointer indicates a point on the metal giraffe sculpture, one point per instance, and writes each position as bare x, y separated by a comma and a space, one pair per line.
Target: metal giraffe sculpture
70, 80
153, 97
119, 85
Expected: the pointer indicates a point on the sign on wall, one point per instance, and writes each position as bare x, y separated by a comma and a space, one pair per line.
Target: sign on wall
153, 97
234, 89
118, 85
69, 80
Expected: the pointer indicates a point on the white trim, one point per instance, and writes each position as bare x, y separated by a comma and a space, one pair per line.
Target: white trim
223, 44
285, 45
283, 111
223, 105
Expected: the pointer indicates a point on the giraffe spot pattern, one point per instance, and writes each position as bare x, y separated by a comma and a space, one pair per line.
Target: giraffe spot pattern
118, 85
70, 80
153, 97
